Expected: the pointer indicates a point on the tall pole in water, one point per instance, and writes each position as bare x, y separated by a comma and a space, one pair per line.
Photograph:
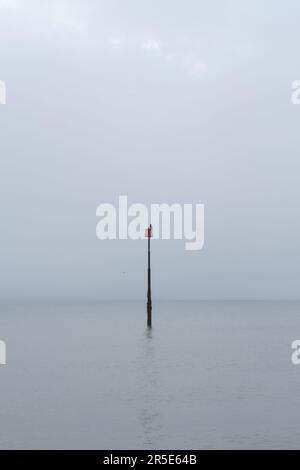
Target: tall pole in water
149, 299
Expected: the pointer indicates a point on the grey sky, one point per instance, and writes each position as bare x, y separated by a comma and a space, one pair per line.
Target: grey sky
163, 101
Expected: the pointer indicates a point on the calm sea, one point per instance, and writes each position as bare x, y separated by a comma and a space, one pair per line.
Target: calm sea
208, 375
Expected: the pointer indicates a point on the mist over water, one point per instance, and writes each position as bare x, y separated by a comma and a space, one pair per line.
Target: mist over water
91, 376
162, 103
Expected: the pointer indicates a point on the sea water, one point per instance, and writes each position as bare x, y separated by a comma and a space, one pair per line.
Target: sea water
209, 375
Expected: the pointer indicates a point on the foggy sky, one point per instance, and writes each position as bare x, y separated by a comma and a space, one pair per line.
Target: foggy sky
162, 101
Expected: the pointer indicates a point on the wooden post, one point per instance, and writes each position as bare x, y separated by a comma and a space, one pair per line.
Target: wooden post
149, 299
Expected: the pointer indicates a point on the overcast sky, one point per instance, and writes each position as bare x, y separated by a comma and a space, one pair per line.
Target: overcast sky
163, 101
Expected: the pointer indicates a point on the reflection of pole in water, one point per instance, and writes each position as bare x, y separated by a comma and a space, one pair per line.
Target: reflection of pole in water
148, 414
149, 298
